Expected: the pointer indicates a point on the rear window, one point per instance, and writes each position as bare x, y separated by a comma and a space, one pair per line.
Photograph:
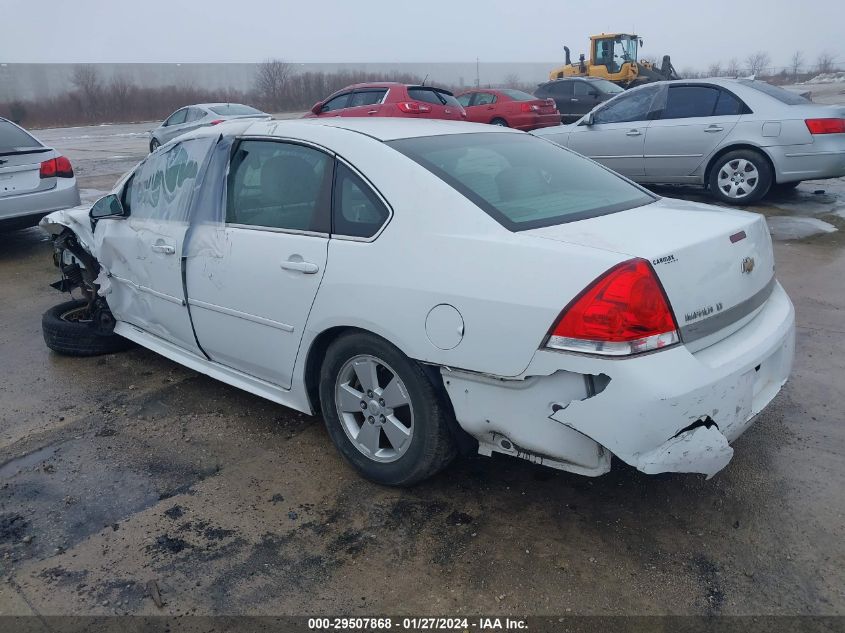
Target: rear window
13, 138
784, 96
432, 95
522, 181
234, 109
518, 95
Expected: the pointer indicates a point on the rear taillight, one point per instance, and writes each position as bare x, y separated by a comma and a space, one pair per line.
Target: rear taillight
528, 107
413, 107
58, 167
826, 126
623, 312
216, 121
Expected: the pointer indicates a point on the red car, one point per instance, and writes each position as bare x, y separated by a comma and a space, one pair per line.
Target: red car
509, 108
390, 99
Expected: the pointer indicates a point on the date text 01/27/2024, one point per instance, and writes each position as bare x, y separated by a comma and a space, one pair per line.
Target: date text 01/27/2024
417, 624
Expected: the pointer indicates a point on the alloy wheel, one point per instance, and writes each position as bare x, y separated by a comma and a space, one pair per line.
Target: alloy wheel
374, 408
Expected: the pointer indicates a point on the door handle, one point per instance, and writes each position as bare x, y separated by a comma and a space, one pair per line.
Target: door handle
574, 100
373, 112
714, 128
300, 266
633, 133
160, 247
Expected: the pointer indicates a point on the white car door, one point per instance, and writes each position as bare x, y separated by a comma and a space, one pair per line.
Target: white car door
250, 303
142, 253
692, 124
617, 135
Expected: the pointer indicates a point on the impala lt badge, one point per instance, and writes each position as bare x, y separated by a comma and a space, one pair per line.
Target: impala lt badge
747, 265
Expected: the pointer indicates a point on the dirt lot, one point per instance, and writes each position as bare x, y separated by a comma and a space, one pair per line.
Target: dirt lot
122, 469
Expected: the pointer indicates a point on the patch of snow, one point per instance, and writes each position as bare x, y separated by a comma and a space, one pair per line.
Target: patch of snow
791, 228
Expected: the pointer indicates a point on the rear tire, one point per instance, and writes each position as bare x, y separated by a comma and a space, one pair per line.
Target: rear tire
363, 412
499, 122
740, 177
65, 333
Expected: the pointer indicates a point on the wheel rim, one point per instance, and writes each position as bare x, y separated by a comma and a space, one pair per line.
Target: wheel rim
738, 178
500, 123
76, 315
374, 408
154, 145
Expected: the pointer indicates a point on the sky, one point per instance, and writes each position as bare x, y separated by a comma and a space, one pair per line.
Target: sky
696, 34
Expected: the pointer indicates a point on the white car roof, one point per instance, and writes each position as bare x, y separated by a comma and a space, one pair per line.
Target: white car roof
382, 129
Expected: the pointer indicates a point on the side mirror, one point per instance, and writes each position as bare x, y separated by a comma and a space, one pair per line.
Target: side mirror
587, 120
107, 207
317, 107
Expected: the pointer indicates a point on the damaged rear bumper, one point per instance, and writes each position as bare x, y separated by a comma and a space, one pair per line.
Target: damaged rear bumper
669, 411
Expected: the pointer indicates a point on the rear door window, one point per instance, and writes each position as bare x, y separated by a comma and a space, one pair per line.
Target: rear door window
279, 185
485, 98
583, 89
367, 97
686, 102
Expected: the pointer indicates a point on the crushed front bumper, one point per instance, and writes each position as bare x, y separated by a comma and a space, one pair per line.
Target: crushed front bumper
668, 411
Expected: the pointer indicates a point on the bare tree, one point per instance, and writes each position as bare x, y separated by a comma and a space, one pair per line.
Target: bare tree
758, 62
715, 69
271, 82
86, 80
512, 80
120, 95
825, 62
797, 62
732, 69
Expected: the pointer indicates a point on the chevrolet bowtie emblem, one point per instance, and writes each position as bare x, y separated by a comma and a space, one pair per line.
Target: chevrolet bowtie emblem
747, 264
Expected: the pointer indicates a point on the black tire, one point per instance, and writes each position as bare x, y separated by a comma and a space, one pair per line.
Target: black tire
499, 122
154, 145
71, 337
785, 187
726, 164
431, 446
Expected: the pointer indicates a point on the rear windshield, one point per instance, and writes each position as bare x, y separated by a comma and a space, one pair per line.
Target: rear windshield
234, 109
522, 181
605, 86
432, 95
784, 96
518, 95
14, 139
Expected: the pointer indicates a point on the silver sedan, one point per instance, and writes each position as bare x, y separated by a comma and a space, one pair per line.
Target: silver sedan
34, 179
192, 117
739, 138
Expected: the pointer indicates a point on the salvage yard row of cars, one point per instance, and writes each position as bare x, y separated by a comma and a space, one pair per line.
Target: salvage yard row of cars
432, 286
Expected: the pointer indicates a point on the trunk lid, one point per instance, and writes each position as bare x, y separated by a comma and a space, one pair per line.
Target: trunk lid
546, 106
716, 265
20, 171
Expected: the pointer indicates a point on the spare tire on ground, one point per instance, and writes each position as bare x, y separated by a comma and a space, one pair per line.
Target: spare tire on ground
69, 330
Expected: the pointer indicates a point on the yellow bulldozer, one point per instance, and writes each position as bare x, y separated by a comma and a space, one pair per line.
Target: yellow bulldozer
613, 56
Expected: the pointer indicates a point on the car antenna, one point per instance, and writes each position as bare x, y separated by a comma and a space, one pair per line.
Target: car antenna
426, 79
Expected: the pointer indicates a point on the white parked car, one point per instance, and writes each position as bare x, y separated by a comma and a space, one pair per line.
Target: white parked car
421, 284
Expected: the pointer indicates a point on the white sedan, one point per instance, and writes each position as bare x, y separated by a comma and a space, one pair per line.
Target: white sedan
426, 286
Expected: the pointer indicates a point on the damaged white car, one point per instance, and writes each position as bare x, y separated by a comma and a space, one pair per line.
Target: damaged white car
429, 285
